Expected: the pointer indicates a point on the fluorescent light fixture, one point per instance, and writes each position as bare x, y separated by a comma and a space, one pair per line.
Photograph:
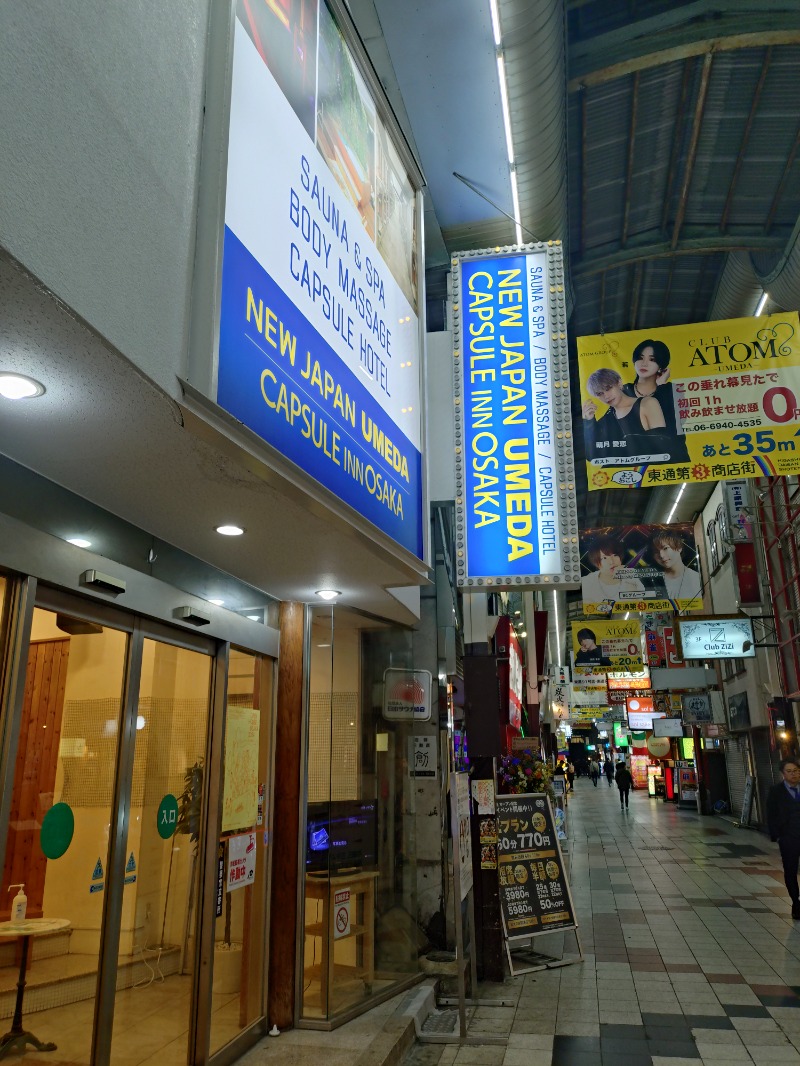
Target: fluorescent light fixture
19, 387
495, 22
677, 501
762, 303
627, 616
501, 78
515, 202
79, 542
230, 531
254, 617
558, 627
327, 594
217, 603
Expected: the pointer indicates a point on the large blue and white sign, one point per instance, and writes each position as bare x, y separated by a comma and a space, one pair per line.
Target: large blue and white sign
514, 461
318, 344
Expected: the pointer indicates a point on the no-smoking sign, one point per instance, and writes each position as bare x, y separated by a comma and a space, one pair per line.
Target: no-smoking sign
341, 913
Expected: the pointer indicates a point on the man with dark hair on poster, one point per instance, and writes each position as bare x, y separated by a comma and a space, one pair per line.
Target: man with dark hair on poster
606, 554
681, 582
590, 654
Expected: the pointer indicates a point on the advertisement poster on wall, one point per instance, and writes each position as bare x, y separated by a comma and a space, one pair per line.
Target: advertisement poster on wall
640, 568
693, 403
613, 644
319, 350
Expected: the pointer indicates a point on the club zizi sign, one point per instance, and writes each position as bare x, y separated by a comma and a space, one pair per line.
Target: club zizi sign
515, 491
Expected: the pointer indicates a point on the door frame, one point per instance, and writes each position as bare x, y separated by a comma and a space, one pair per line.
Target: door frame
23, 595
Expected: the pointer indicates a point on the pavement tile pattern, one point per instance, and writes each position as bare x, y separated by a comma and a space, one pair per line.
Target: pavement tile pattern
691, 955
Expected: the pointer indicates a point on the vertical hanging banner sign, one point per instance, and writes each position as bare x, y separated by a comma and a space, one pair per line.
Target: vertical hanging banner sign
515, 493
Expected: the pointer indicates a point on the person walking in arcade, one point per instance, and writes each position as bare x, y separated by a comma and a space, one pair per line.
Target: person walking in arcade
783, 822
624, 782
608, 770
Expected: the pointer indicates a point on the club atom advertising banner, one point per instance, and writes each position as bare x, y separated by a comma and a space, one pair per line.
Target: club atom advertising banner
514, 465
616, 645
640, 568
693, 403
319, 350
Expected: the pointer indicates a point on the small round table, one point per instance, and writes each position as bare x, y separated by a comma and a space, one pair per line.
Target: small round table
17, 1037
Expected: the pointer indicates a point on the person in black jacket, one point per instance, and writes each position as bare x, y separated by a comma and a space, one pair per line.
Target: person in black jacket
783, 822
624, 782
608, 770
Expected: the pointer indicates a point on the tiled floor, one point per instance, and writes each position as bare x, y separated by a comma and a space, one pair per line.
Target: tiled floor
691, 953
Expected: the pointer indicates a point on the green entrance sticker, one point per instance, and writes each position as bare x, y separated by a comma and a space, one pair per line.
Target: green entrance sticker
167, 817
58, 827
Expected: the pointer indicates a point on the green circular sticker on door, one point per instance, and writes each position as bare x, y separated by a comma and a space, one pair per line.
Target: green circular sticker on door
58, 827
167, 817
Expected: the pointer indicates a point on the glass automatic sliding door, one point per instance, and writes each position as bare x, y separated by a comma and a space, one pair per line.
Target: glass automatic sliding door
108, 778
58, 837
162, 874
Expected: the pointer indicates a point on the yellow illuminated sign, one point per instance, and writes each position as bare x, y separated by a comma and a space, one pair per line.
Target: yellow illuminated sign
692, 403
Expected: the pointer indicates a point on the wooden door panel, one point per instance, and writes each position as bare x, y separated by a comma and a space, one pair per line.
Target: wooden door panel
35, 775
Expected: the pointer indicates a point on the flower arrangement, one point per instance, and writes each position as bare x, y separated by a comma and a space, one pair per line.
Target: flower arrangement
522, 771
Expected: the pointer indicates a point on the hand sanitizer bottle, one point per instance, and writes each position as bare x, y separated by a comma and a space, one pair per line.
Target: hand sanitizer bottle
19, 904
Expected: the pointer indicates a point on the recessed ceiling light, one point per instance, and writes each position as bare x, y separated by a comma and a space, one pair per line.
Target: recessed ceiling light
79, 542
328, 594
217, 603
230, 531
141, 721
18, 387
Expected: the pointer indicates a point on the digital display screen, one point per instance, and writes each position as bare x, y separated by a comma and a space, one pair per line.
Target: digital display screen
341, 834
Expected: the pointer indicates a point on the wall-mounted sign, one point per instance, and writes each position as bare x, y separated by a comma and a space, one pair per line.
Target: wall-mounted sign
640, 568
740, 508
738, 711
614, 644
241, 861
406, 695
658, 746
692, 403
515, 686
422, 756
619, 680
514, 466
319, 346
641, 712
559, 700
667, 727
697, 708
717, 638
341, 913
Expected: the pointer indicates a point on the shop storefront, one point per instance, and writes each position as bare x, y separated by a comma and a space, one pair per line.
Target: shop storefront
136, 782
368, 707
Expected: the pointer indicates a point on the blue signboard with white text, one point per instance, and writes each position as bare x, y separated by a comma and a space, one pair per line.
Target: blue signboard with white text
513, 464
319, 333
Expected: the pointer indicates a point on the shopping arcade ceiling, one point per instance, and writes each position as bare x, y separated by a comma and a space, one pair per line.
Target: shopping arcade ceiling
660, 140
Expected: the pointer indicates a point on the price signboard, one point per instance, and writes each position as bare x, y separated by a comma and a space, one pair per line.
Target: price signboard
534, 892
